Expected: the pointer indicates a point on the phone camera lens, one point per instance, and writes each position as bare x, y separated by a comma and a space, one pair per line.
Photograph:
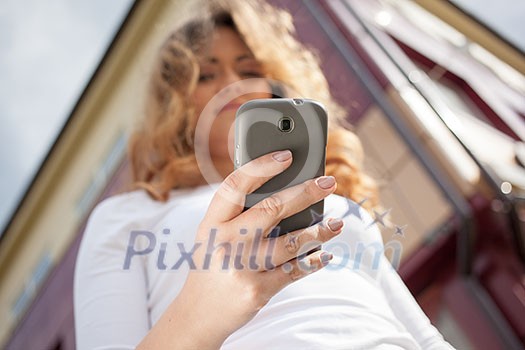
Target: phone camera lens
286, 124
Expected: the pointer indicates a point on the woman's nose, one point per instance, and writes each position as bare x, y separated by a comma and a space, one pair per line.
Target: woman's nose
230, 77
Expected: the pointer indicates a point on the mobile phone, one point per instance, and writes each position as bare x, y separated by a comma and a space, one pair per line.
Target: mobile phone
300, 125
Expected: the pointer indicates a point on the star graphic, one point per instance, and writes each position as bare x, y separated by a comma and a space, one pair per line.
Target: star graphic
353, 208
379, 218
400, 231
316, 217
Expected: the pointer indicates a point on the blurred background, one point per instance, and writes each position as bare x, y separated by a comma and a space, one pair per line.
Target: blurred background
434, 88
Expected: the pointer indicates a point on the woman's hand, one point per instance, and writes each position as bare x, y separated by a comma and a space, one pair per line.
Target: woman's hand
238, 268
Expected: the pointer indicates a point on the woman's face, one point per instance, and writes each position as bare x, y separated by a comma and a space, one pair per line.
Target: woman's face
229, 60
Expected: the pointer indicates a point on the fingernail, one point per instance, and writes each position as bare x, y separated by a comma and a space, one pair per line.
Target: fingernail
326, 182
335, 224
282, 156
325, 258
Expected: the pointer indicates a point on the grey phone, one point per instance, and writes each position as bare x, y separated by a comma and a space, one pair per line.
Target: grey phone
299, 125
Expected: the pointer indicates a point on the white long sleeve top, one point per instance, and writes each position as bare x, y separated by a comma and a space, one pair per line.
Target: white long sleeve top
133, 261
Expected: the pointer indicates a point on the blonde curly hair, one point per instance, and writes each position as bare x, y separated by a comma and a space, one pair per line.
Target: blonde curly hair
161, 150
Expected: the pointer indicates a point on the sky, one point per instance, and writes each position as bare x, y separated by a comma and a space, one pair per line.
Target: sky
48, 51
50, 48
506, 17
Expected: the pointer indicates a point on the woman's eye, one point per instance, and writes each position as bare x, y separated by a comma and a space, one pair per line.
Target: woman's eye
205, 77
251, 74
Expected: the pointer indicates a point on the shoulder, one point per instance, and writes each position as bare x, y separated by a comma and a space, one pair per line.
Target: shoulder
112, 220
139, 206
124, 205
136, 210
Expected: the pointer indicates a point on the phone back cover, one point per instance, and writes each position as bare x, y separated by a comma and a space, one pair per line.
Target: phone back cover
257, 133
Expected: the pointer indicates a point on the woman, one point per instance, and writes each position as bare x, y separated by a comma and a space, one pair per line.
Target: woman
174, 265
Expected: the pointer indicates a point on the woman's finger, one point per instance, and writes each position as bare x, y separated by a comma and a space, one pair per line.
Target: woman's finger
228, 201
266, 214
281, 249
291, 271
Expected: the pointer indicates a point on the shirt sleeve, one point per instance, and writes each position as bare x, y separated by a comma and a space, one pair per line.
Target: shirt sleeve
407, 310
110, 301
